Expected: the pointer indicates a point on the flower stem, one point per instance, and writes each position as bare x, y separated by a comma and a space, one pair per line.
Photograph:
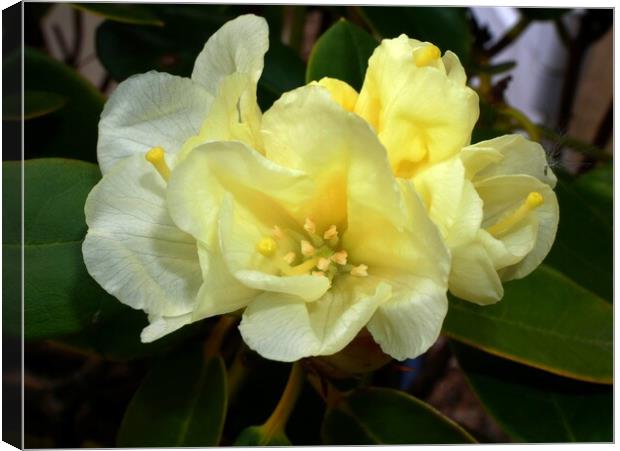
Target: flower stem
523, 121
510, 36
277, 421
214, 342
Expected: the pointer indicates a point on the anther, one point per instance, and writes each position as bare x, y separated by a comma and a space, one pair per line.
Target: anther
340, 257
426, 55
267, 246
360, 271
531, 202
307, 249
309, 226
331, 233
277, 233
323, 263
318, 273
155, 156
289, 258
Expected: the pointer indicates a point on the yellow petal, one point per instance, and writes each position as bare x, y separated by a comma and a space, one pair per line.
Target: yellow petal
341, 92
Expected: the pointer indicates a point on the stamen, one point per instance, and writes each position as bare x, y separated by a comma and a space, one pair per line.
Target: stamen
426, 55
267, 246
289, 258
331, 233
277, 233
360, 271
318, 273
301, 269
340, 257
532, 201
307, 249
155, 156
309, 226
323, 263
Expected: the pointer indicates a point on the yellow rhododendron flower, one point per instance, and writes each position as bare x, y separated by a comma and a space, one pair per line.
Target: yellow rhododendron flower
206, 207
493, 202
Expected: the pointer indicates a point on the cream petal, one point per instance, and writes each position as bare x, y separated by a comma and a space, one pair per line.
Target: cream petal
283, 327
161, 326
519, 156
468, 218
199, 183
150, 110
473, 276
239, 46
410, 322
502, 194
133, 249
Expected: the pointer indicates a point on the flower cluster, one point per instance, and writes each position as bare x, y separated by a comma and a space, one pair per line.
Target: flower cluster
331, 213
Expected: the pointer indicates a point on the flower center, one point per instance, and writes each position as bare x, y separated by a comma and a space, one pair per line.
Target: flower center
531, 202
318, 254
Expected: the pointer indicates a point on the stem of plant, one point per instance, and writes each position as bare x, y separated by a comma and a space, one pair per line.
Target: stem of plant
214, 342
277, 421
510, 36
523, 121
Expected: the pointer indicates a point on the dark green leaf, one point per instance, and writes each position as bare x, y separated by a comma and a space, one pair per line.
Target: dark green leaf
495, 68
70, 131
11, 254
128, 13
375, 416
283, 72
583, 246
543, 13
257, 436
342, 52
36, 103
537, 407
447, 28
181, 402
544, 320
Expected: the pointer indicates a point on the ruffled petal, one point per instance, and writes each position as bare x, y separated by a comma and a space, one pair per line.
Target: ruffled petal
283, 327
133, 249
238, 47
410, 322
150, 110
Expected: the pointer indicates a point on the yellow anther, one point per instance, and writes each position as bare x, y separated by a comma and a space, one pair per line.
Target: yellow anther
307, 249
426, 55
155, 156
360, 271
277, 233
331, 233
532, 201
340, 257
289, 258
318, 273
309, 226
267, 246
323, 263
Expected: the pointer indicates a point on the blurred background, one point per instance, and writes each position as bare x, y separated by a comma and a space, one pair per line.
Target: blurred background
543, 72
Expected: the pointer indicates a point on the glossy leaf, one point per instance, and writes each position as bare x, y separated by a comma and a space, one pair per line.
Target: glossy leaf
138, 14
257, 436
544, 320
375, 416
583, 247
446, 27
342, 52
537, 407
70, 131
36, 104
181, 402
59, 295
283, 72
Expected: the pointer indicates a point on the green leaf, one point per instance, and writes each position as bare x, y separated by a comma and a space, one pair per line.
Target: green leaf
494, 69
565, 410
11, 254
70, 131
127, 13
374, 416
36, 104
447, 28
342, 52
59, 295
283, 72
583, 246
181, 402
544, 320
256, 436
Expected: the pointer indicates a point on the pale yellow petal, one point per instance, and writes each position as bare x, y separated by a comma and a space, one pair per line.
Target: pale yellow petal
473, 276
340, 91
